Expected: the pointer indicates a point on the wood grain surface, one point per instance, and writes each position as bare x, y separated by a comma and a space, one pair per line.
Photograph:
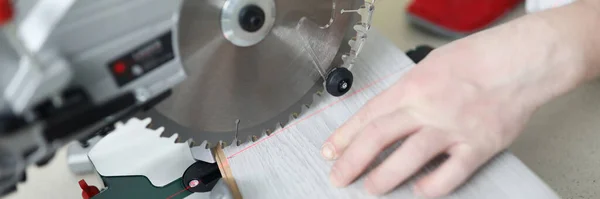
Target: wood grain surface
288, 164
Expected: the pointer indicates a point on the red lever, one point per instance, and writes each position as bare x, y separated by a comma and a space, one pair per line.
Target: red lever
6, 11
87, 191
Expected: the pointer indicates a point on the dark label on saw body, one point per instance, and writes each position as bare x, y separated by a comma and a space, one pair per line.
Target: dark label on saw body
143, 59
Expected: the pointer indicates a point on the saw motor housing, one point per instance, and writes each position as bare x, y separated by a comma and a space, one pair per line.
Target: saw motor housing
69, 69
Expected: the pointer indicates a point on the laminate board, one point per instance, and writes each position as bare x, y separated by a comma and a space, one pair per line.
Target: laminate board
288, 164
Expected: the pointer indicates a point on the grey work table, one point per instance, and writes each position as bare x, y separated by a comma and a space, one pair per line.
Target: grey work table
287, 164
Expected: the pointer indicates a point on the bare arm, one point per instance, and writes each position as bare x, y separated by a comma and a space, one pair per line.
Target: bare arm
575, 30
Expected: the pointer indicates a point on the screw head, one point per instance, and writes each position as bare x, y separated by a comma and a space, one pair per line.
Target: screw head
252, 18
344, 85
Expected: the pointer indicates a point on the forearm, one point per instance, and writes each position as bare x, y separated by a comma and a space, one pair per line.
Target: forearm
561, 46
577, 27
539, 56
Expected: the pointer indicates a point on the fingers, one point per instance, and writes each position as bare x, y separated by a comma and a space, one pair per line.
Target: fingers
342, 137
376, 136
413, 154
463, 162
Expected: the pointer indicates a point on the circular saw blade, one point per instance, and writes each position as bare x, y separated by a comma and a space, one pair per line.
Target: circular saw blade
235, 92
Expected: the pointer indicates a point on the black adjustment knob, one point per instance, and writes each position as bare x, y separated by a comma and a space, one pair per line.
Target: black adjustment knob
201, 176
252, 18
339, 81
419, 53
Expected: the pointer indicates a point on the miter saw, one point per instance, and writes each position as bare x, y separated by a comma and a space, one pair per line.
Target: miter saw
216, 72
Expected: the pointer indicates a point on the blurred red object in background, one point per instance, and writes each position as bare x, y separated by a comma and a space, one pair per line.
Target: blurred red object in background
459, 16
6, 11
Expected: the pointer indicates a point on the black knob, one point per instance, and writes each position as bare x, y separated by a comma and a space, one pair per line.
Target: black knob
419, 53
252, 18
339, 81
201, 176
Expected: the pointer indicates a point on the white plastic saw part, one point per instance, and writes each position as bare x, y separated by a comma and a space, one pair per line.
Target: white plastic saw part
132, 149
539, 5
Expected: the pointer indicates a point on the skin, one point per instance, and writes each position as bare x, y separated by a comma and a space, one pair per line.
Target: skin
469, 99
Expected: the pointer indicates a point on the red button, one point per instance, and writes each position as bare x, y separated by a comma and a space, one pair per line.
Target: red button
6, 11
119, 67
88, 191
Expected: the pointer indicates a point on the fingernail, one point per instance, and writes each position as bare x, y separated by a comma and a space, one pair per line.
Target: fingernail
334, 177
328, 151
419, 193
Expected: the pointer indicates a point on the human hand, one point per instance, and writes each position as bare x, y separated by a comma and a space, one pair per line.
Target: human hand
469, 99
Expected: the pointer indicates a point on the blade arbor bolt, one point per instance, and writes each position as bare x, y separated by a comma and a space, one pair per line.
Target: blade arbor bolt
252, 18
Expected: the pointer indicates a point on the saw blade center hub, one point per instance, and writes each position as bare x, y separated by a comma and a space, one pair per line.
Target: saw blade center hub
247, 22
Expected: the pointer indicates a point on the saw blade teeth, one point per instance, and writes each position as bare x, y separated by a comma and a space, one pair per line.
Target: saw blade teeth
305, 109
262, 135
361, 29
316, 98
167, 134
174, 137
279, 126
302, 107
251, 138
146, 121
269, 132
149, 125
183, 140
235, 141
119, 124
159, 130
223, 144
319, 93
352, 41
177, 139
191, 143
208, 145
204, 145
